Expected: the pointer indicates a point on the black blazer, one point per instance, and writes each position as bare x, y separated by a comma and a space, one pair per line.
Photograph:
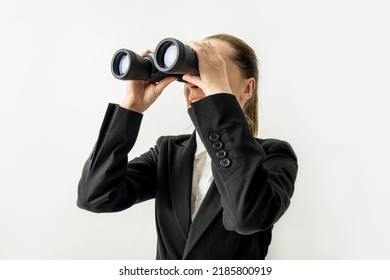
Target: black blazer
253, 181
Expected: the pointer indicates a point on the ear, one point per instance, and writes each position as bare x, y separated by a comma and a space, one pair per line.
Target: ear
249, 88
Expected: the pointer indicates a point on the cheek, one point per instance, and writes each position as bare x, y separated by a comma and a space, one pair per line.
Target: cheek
237, 88
235, 80
235, 84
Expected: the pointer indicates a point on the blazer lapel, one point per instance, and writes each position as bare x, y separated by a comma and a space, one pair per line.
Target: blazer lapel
208, 210
181, 162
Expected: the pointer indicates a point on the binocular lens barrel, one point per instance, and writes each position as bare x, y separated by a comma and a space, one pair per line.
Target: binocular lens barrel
175, 58
124, 63
127, 65
171, 58
170, 55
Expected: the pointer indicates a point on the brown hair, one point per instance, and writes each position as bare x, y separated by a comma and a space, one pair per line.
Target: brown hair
246, 60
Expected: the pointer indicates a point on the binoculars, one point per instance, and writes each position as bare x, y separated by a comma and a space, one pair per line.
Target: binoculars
171, 58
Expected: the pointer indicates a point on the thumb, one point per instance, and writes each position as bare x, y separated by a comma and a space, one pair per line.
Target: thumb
161, 85
195, 80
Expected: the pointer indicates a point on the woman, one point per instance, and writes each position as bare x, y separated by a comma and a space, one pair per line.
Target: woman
219, 191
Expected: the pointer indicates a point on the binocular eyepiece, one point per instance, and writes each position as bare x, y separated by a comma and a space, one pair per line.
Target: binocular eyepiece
171, 58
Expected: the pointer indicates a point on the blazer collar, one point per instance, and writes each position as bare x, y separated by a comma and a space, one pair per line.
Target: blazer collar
208, 210
200, 148
181, 163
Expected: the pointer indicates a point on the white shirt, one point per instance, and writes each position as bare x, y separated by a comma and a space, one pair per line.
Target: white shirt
202, 176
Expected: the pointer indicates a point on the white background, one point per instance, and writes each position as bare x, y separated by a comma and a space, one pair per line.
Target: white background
324, 89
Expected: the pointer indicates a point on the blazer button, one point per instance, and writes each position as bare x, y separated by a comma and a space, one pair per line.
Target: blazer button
214, 136
225, 162
221, 154
217, 145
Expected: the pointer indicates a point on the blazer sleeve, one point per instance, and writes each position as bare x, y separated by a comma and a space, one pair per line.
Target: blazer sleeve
109, 183
255, 184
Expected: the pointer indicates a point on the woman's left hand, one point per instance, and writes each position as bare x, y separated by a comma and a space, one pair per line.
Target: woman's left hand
212, 69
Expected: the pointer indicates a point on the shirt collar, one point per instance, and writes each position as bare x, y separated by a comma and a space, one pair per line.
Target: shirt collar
200, 148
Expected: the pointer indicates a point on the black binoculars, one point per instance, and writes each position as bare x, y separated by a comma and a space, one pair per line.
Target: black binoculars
171, 58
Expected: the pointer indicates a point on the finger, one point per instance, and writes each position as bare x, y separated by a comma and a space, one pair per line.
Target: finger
212, 48
196, 80
145, 53
199, 48
189, 43
161, 85
192, 45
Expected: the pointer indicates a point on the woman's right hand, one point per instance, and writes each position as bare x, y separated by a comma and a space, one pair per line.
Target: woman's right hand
141, 94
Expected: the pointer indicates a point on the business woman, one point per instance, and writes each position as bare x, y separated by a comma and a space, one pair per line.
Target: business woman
219, 191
